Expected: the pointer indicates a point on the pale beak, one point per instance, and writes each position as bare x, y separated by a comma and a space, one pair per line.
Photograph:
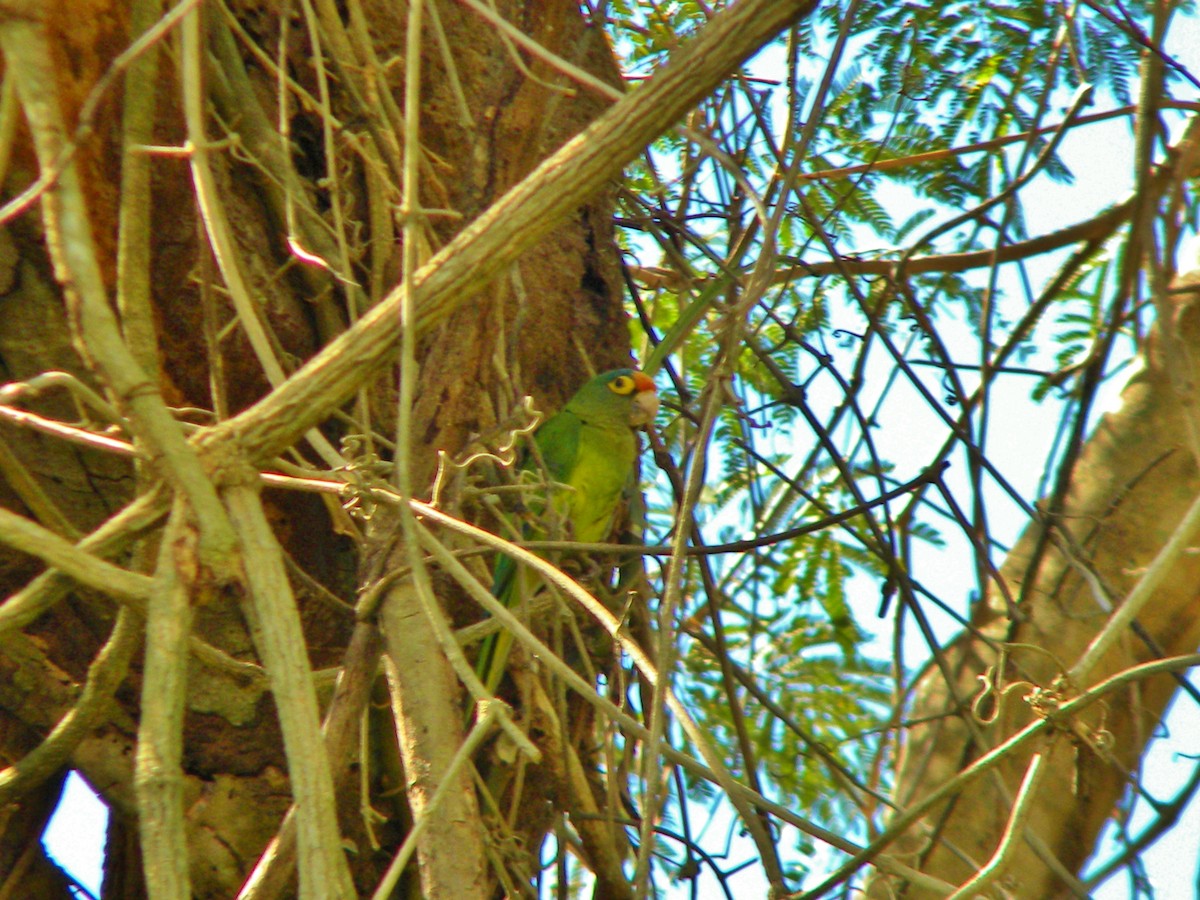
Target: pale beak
645, 408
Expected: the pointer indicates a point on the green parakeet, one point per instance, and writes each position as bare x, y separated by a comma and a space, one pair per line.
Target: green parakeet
590, 447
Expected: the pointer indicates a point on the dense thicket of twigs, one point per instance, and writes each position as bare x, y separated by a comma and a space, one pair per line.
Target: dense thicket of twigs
882, 353
849, 242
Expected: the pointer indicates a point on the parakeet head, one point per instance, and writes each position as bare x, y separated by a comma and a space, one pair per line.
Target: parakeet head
626, 396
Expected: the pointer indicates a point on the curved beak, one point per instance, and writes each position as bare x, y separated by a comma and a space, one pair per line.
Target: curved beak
645, 401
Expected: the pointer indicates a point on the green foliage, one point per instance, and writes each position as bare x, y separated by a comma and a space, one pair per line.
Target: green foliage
828, 240
814, 690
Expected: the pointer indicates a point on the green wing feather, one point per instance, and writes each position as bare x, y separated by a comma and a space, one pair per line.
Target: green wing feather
557, 441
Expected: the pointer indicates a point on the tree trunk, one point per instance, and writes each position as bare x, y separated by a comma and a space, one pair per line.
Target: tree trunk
1130, 491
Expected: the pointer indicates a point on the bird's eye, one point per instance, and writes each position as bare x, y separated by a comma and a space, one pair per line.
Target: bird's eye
622, 384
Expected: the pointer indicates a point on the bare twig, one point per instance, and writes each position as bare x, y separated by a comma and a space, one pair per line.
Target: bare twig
93, 707
26, 49
31, 538
275, 626
510, 226
158, 774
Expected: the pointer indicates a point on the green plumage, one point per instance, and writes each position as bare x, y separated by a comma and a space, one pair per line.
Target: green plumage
590, 448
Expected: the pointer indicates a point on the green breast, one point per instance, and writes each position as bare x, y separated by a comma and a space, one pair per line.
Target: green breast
602, 469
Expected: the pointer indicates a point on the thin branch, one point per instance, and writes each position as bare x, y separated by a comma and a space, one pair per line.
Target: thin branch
916, 159
1177, 545
271, 874
158, 767
134, 268
1095, 229
275, 627
1014, 830
512, 225
50, 173
216, 224
27, 52
572, 71
462, 756
29, 537
989, 760
90, 711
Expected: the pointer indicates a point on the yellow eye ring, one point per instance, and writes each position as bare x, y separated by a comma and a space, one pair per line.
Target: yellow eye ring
622, 385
